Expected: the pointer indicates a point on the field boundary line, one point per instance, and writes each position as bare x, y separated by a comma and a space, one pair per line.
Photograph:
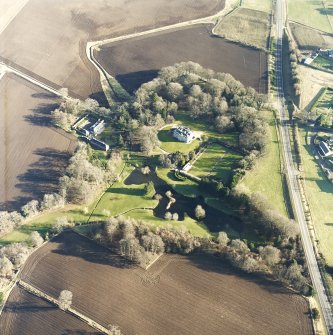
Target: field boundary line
38, 293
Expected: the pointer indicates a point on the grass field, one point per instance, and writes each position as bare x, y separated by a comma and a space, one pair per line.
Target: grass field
310, 39
319, 192
264, 5
266, 176
170, 144
247, 26
200, 125
196, 294
323, 63
216, 161
323, 108
313, 13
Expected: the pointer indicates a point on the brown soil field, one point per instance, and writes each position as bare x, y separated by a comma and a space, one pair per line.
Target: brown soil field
27, 314
185, 295
138, 60
33, 154
49, 37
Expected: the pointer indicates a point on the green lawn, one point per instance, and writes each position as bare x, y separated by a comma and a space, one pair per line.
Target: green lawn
264, 5
189, 224
187, 187
216, 161
323, 63
312, 13
266, 177
247, 26
42, 223
121, 198
319, 193
199, 125
170, 144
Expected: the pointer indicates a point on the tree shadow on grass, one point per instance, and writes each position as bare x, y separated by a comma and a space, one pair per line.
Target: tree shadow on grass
127, 191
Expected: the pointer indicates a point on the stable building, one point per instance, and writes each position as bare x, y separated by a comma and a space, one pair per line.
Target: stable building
325, 149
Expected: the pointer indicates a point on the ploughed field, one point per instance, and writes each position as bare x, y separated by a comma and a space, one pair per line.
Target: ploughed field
27, 314
195, 294
48, 38
33, 154
137, 60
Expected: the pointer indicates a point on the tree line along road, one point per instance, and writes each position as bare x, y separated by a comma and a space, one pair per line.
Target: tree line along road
292, 176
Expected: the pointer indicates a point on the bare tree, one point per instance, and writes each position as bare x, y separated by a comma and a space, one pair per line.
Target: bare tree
270, 255
35, 240
30, 208
223, 239
200, 213
6, 267
65, 299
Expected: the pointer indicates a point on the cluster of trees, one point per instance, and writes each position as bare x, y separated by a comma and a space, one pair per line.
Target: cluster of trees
13, 256
176, 159
217, 98
71, 109
131, 239
84, 176
137, 241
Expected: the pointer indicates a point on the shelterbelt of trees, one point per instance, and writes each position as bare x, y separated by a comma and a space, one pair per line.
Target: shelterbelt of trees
138, 242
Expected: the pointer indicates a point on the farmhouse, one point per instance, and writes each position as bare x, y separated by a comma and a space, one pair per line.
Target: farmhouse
183, 134
325, 149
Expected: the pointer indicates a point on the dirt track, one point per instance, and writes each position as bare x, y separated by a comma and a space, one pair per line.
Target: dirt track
177, 295
58, 32
32, 154
137, 60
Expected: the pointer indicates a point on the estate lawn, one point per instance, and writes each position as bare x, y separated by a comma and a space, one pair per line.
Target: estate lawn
121, 198
43, 222
199, 125
247, 26
266, 176
170, 144
319, 193
313, 13
185, 187
264, 5
196, 228
216, 161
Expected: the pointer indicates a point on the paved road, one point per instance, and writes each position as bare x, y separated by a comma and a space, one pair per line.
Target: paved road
292, 176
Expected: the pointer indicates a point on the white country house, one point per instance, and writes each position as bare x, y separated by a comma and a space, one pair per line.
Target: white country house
183, 134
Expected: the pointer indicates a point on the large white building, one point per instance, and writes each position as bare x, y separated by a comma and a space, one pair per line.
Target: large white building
183, 134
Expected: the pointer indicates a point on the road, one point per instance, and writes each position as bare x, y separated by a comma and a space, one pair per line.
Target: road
292, 175
4, 68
